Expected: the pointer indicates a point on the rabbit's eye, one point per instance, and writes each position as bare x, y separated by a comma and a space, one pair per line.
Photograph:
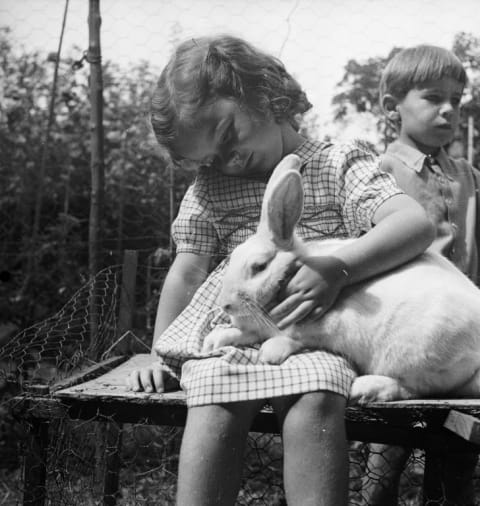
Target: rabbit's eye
259, 267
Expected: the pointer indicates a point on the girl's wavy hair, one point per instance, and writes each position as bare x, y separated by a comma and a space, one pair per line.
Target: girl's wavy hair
204, 69
416, 65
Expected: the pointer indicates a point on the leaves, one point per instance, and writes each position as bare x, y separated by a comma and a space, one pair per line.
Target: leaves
137, 207
358, 89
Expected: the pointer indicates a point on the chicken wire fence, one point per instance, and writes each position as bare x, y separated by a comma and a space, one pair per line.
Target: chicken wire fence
45, 181
63, 345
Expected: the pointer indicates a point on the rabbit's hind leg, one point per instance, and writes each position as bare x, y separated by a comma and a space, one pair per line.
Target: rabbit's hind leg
376, 388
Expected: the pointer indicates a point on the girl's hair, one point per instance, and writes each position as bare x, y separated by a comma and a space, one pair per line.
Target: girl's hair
204, 69
416, 65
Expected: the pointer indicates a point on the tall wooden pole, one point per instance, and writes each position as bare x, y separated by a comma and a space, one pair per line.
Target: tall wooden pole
94, 57
470, 139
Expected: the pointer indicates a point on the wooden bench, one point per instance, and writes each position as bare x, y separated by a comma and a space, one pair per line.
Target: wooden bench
439, 427
100, 394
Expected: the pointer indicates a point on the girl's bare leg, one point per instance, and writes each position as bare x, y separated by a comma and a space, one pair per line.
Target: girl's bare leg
212, 451
315, 448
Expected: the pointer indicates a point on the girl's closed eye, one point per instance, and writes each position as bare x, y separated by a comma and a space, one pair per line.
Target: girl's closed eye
227, 140
227, 135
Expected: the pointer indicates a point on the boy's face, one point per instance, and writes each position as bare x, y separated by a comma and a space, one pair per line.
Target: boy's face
429, 114
240, 144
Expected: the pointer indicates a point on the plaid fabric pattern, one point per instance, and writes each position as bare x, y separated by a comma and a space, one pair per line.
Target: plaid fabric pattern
343, 189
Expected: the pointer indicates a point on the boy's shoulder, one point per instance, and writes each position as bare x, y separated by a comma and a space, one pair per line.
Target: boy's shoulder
398, 152
464, 166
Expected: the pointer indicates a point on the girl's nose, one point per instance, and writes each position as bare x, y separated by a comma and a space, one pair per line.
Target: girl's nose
233, 160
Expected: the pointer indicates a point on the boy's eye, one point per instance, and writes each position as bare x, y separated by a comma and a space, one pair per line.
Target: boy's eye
434, 98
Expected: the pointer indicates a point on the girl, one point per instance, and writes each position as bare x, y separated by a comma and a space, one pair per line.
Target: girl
232, 110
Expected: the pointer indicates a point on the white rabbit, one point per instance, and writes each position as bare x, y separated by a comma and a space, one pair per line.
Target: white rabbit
410, 333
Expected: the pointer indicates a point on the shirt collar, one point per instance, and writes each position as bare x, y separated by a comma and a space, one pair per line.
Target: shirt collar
412, 157
306, 150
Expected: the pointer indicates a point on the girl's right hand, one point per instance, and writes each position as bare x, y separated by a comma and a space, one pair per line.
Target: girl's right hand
311, 291
148, 379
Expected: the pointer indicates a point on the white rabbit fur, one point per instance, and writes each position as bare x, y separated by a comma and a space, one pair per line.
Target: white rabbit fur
412, 332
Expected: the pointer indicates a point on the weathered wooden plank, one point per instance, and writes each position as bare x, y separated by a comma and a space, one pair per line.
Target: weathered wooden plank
89, 373
112, 386
464, 425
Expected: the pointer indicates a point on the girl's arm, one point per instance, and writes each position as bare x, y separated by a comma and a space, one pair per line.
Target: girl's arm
402, 231
187, 272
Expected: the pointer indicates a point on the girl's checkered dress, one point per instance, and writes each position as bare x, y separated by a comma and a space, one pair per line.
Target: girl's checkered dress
343, 189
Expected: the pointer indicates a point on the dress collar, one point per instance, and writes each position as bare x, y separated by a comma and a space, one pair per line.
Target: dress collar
306, 150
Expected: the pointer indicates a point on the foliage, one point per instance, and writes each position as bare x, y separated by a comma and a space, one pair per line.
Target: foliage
137, 179
359, 86
358, 89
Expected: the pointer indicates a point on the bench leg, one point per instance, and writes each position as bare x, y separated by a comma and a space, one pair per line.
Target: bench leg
108, 445
448, 478
35, 468
112, 464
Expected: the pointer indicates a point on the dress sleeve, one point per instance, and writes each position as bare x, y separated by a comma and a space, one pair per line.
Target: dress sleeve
362, 186
193, 230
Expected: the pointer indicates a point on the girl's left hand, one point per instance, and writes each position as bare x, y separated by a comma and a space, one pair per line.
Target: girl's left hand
311, 291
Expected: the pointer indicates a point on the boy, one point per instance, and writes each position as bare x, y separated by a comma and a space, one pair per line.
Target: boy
420, 93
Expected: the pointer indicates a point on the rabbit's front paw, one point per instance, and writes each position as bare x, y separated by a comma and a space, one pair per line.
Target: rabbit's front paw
221, 336
375, 388
277, 349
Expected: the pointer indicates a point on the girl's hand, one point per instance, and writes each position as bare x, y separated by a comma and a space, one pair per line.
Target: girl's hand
148, 379
311, 291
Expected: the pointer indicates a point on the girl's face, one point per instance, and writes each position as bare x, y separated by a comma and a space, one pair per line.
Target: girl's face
234, 141
430, 113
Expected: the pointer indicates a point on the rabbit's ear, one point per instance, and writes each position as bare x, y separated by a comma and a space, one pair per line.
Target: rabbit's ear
282, 207
289, 162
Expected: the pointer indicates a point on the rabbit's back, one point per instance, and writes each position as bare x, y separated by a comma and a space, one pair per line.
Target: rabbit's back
419, 323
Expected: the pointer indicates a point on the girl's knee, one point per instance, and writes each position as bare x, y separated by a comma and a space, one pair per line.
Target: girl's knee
324, 404
217, 416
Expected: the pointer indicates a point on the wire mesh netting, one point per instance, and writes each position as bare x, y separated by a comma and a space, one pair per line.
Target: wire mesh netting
55, 320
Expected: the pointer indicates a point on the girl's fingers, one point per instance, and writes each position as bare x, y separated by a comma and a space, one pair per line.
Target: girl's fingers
133, 381
157, 376
146, 379
286, 306
149, 379
298, 314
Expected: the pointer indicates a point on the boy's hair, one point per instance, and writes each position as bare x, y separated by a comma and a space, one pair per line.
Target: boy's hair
207, 68
414, 66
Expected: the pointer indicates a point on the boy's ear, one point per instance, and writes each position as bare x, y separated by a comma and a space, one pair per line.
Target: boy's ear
390, 106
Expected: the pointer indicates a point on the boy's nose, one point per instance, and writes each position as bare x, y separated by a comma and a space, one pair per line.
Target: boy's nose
446, 108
